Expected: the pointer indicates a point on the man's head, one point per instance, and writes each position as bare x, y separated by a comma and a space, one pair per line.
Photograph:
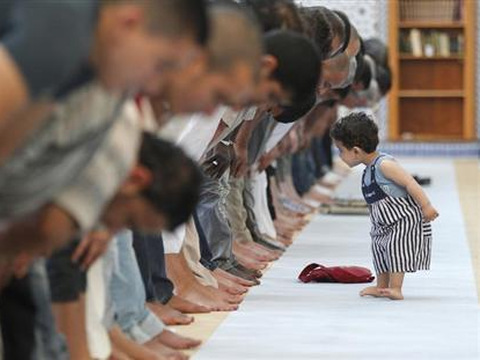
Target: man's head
276, 15
355, 135
383, 77
290, 68
161, 192
279, 15
363, 77
232, 64
339, 68
378, 50
138, 41
294, 112
324, 28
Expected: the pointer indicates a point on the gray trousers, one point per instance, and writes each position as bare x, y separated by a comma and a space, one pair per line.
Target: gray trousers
237, 212
214, 220
249, 203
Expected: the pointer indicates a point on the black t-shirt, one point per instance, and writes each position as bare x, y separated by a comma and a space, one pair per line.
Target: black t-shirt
50, 41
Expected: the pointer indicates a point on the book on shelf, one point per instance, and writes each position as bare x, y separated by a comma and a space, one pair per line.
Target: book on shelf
431, 10
429, 43
443, 45
416, 42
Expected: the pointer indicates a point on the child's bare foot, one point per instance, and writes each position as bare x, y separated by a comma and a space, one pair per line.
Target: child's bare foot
187, 307
371, 291
175, 341
392, 293
169, 315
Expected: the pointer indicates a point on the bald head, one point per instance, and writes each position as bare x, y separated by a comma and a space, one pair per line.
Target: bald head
235, 37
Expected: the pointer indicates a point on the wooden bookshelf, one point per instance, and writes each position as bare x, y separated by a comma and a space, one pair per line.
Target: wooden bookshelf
433, 93
429, 58
430, 24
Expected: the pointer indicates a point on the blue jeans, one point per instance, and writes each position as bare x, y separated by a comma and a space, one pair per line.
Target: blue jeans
128, 295
28, 325
150, 255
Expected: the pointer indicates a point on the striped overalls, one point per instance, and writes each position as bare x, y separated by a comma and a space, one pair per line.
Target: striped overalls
401, 240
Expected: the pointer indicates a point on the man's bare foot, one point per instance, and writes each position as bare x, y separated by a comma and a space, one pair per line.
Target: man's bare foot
290, 221
372, 291
257, 251
207, 297
118, 354
187, 307
175, 341
285, 240
250, 275
391, 293
220, 273
164, 352
223, 295
230, 286
251, 264
169, 315
248, 262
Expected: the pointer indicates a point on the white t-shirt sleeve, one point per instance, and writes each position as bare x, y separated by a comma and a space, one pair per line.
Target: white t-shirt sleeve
173, 241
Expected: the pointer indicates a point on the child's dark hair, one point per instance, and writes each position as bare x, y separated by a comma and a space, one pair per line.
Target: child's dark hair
175, 187
356, 129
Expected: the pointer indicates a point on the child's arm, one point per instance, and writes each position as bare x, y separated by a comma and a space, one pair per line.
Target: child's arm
394, 172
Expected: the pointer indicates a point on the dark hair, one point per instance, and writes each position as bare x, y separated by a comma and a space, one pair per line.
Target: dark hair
299, 66
377, 50
178, 17
343, 92
319, 27
384, 79
175, 187
235, 37
363, 74
276, 14
296, 111
356, 129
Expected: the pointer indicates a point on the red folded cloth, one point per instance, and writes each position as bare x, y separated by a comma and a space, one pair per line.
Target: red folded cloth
340, 274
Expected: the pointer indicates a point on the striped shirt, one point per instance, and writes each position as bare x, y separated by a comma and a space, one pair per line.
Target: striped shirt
57, 153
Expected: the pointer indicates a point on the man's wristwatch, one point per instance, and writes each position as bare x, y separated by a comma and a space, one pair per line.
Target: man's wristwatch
226, 142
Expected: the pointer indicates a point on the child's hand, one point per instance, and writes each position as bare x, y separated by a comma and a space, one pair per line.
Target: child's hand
429, 213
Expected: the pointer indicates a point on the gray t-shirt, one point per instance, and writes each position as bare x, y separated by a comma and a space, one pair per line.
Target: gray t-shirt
50, 41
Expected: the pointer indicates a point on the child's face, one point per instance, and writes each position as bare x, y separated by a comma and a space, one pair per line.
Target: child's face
351, 157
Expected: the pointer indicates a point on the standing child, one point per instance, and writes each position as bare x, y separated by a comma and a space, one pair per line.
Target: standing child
399, 209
